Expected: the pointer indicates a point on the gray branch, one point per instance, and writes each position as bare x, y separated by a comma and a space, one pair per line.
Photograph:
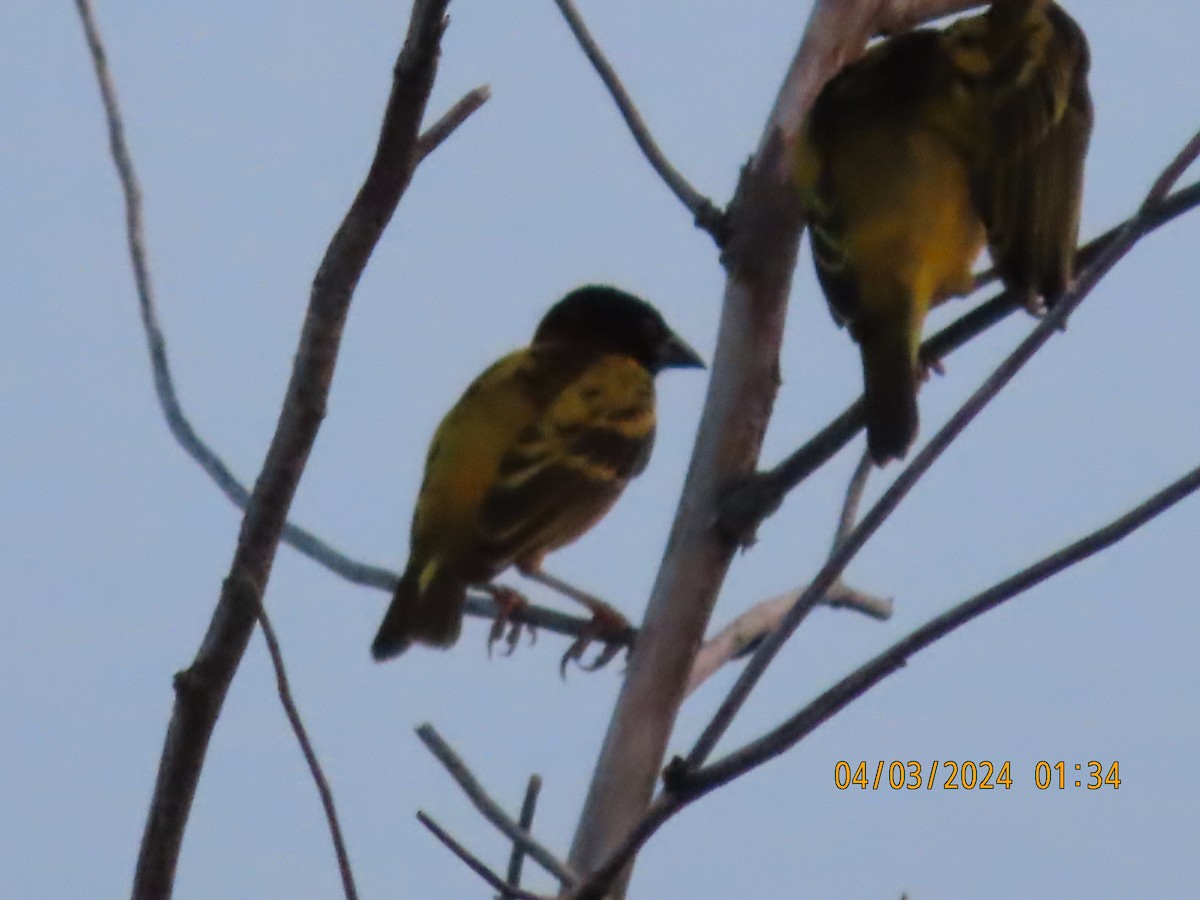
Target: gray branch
490, 809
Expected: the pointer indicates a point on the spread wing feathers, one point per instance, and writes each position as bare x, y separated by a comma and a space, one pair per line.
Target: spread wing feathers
570, 465
1024, 67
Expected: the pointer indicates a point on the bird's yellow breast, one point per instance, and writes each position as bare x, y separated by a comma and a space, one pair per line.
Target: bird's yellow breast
911, 234
466, 450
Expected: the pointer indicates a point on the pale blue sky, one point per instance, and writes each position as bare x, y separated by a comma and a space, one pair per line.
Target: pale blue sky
251, 127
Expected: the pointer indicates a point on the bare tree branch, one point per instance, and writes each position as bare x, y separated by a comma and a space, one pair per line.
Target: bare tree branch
760, 256
843, 596
742, 634
894, 658
525, 822
1051, 324
431, 138
201, 689
476, 865
490, 809
310, 755
739, 636
854, 495
706, 214
751, 500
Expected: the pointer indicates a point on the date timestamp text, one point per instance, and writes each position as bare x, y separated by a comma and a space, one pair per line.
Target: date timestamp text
972, 775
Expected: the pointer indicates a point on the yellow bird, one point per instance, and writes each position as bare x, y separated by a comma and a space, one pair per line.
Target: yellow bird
930, 145
532, 455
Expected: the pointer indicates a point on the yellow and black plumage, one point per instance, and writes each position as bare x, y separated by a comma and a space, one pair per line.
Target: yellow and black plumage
532, 455
930, 146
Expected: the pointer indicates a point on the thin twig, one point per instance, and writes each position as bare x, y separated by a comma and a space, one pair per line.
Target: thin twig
854, 495
706, 214
310, 755
490, 809
1170, 175
516, 859
431, 138
749, 501
1051, 324
842, 596
474, 862
894, 658
741, 635
201, 689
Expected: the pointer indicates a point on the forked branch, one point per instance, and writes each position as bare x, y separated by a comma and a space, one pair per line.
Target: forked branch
201, 689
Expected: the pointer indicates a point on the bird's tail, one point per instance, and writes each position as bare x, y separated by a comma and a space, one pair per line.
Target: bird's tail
890, 386
430, 616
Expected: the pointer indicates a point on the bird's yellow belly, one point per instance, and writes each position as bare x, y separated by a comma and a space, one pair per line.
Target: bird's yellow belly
916, 235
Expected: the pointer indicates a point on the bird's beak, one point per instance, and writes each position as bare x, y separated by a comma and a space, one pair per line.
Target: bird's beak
674, 353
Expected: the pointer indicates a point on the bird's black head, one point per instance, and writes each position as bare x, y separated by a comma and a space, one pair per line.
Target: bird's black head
599, 319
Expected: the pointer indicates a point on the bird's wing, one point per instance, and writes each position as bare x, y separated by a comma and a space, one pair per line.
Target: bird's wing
1022, 67
460, 468
569, 466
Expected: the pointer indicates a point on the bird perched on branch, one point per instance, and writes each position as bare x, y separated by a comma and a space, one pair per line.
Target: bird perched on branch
929, 146
532, 455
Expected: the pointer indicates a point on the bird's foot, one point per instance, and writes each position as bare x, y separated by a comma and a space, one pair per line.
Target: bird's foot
607, 625
509, 603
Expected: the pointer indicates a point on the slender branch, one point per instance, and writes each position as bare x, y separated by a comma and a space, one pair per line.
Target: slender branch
706, 214
310, 755
517, 858
1051, 324
201, 689
490, 809
854, 495
742, 634
433, 136
749, 501
1167, 180
842, 596
895, 658
474, 862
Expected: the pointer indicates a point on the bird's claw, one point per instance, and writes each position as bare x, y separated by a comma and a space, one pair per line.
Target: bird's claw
608, 626
505, 626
